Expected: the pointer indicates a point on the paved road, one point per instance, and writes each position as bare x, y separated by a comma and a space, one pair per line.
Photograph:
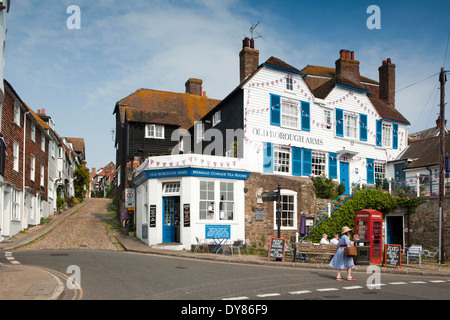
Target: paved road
125, 276
80, 248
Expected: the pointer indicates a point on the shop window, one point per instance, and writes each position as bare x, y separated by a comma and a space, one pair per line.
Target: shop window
206, 200
318, 163
173, 187
226, 206
282, 159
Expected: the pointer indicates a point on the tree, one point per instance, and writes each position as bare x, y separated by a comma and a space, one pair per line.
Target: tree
81, 181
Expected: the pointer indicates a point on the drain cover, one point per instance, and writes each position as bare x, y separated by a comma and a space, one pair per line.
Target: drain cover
40, 290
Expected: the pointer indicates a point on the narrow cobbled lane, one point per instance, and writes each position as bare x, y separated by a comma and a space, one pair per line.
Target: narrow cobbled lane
84, 229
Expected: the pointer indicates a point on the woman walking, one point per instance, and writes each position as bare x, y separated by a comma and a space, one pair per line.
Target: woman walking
340, 261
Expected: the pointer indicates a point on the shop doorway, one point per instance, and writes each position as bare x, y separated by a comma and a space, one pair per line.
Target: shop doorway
394, 227
171, 219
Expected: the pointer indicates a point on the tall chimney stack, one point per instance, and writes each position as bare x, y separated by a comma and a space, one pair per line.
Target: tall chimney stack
194, 86
248, 58
387, 82
347, 67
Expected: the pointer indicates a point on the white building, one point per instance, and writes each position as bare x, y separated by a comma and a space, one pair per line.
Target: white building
288, 124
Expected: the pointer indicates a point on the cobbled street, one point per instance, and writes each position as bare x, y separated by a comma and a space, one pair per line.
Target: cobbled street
84, 229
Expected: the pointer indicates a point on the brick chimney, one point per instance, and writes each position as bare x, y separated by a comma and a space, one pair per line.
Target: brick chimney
347, 67
387, 82
248, 58
194, 86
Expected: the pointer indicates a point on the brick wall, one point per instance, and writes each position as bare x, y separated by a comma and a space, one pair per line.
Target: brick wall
12, 132
41, 158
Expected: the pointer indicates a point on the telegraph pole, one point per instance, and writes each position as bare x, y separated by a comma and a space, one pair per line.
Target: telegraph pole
442, 134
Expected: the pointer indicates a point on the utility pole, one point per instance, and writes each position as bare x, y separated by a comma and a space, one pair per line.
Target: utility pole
442, 134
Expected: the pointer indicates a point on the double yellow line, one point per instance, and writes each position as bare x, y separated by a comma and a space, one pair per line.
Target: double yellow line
77, 291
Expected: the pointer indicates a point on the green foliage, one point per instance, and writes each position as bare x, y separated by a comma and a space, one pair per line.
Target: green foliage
345, 214
81, 181
324, 187
59, 202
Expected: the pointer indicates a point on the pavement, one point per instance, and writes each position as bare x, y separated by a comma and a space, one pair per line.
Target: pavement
21, 282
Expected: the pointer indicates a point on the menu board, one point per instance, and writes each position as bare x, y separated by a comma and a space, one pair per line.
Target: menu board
276, 249
152, 216
187, 215
393, 255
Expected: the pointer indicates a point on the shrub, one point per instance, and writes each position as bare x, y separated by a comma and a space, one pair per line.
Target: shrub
324, 187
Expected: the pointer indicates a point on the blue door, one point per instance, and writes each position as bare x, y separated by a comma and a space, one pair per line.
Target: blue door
169, 212
345, 177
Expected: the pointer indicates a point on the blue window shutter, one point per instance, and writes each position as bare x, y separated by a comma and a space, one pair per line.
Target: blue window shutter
275, 110
332, 165
296, 161
370, 171
339, 122
306, 126
395, 136
363, 127
268, 157
379, 133
307, 162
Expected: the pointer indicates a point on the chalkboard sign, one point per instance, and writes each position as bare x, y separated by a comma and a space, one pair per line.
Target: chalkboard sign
276, 248
187, 215
393, 255
152, 216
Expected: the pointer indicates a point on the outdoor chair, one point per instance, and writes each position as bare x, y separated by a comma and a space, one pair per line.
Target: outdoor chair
236, 245
199, 244
414, 252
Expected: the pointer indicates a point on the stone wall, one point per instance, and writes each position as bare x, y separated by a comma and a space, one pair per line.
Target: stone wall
424, 225
259, 232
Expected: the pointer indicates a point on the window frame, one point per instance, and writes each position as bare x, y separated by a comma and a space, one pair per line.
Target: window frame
209, 214
217, 118
289, 83
328, 119
155, 127
227, 202
386, 134
283, 114
347, 127
318, 168
16, 113
293, 217
32, 168
16, 156
287, 163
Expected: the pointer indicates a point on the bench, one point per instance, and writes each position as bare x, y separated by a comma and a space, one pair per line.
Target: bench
305, 251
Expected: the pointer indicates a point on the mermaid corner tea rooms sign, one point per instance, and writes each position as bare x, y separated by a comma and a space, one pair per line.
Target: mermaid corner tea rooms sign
189, 172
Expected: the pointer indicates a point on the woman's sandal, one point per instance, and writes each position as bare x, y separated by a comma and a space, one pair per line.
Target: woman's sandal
351, 278
339, 278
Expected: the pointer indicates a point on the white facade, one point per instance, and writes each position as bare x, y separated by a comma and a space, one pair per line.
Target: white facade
358, 149
207, 192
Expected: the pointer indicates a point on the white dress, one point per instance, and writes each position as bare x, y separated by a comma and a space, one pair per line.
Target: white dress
340, 261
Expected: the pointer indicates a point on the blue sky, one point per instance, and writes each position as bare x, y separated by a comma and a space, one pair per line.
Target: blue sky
79, 75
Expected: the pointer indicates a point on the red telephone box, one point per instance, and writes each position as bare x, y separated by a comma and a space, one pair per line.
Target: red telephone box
369, 227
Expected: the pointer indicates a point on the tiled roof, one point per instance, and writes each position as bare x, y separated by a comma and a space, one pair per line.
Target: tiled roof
424, 152
77, 143
164, 107
329, 73
386, 111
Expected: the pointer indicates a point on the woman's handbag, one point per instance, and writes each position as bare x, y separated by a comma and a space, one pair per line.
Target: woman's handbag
351, 251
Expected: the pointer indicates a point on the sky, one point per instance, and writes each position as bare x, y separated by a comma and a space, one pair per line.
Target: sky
78, 75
